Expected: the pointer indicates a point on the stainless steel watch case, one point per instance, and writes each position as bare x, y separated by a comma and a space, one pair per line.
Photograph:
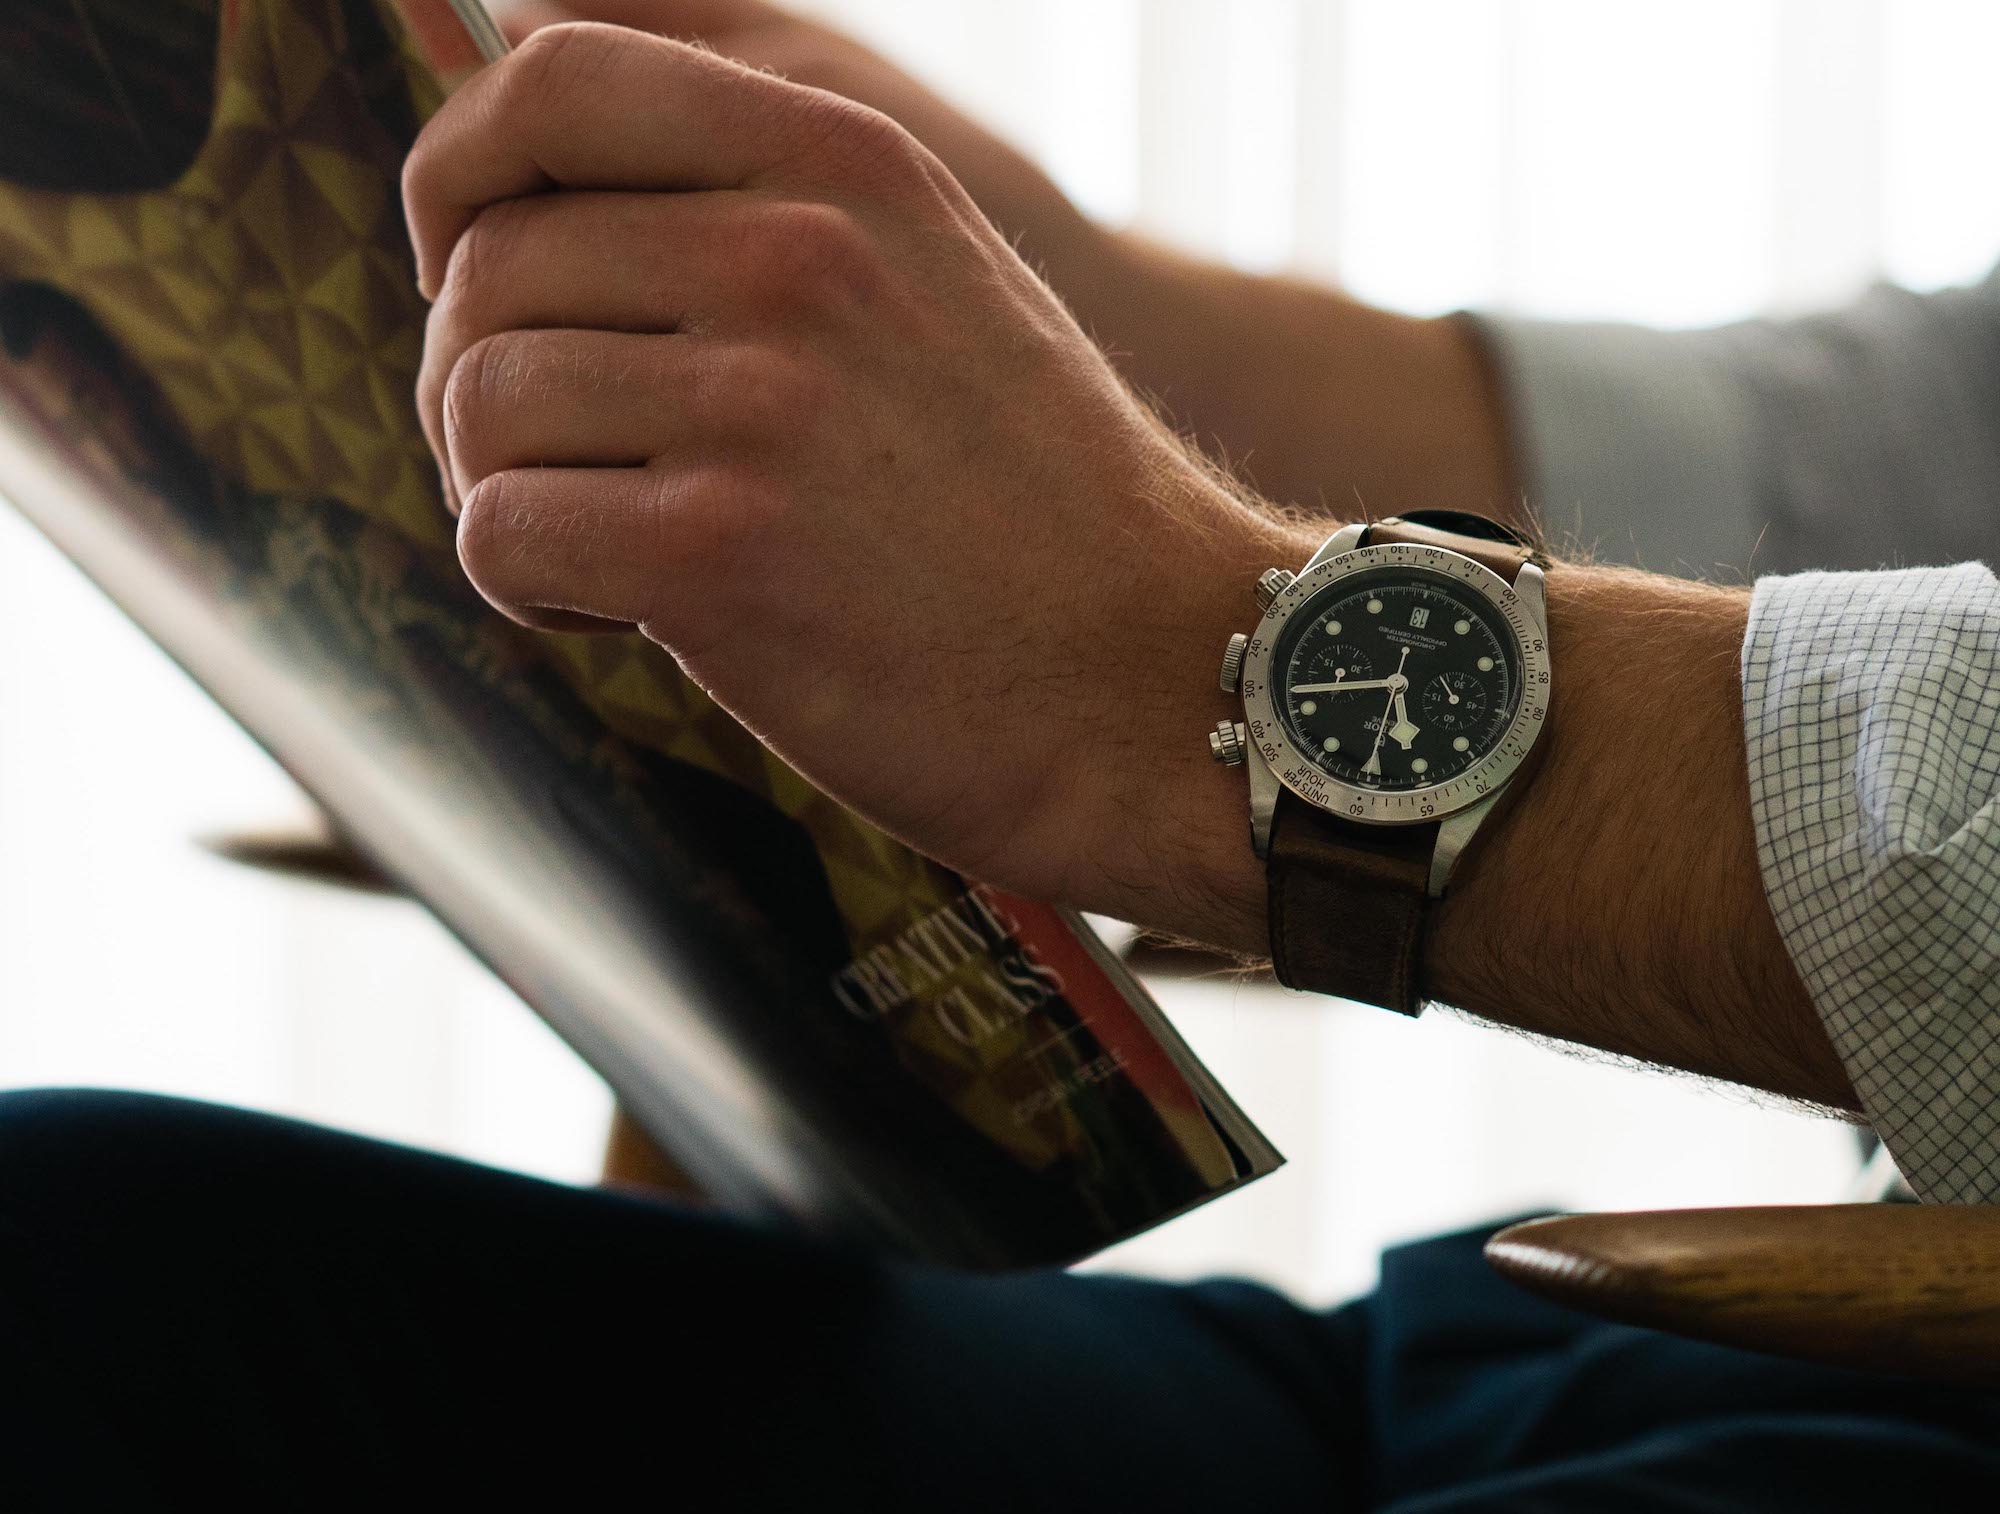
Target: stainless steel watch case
1461, 803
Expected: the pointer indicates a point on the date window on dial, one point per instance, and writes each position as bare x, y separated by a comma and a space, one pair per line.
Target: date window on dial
1419, 618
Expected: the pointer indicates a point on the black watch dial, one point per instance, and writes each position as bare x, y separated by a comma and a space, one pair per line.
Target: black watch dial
1397, 679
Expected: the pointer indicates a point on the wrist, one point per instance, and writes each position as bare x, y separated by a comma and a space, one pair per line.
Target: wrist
1164, 840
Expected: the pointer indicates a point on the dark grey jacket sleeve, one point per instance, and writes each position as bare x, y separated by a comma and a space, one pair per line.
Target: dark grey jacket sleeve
1863, 437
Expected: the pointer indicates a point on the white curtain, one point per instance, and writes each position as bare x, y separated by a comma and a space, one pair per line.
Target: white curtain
1673, 162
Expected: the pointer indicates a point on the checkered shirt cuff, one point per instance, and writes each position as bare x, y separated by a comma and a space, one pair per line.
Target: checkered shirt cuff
1872, 718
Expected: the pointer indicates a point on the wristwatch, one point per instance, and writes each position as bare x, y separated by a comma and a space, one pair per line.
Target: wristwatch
1396, 688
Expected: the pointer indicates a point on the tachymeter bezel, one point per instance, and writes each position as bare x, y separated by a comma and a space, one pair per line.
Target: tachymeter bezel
1299, 772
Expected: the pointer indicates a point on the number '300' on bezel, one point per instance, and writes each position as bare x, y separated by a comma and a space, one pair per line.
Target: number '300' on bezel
1300, 772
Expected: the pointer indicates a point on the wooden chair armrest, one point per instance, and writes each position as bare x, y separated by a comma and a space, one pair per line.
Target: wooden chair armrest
1905, 1288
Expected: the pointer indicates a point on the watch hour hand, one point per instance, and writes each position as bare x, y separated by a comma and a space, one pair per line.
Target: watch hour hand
1403, 732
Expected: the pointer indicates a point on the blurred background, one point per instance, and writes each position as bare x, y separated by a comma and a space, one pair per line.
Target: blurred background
1679, 163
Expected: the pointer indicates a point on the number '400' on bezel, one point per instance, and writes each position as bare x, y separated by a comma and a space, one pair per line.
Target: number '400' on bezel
1271, 740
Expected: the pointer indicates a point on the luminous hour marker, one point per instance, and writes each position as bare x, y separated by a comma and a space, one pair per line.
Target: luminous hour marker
1462, 627
1485, 664
1308, 708
1374, 607
1459, 743
1332, 743
1333, 628
1420, 766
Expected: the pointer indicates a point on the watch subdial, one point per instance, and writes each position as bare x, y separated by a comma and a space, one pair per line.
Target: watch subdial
1335, 662
1317, 680
1455, 701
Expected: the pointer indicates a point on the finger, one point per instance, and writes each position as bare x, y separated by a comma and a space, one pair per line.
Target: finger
605, 543
635, 264
571, 260
599, 107
596, 399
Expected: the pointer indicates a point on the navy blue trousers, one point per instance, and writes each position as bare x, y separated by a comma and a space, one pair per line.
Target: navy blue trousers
203, 1308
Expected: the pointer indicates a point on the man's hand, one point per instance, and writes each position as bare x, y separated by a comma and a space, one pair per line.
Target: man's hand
1323, 401
738, 362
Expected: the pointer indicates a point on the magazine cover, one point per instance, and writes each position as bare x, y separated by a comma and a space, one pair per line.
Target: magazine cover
209, 340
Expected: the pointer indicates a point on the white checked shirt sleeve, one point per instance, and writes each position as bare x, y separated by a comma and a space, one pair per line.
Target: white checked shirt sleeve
1872, 716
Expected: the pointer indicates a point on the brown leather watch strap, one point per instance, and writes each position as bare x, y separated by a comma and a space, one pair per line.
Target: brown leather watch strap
1347, 904
1506, 558
1347, 900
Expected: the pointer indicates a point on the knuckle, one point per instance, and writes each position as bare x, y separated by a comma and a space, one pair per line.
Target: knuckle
490, 524
485, 377
864, 142
419, 168
700, 526
552, 62
715, 526
811, 253
479, 258
758, 393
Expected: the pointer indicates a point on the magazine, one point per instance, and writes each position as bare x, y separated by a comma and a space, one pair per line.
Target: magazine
209, 339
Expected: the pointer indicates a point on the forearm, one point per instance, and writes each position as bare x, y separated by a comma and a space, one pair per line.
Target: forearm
1617, 902
1321, 401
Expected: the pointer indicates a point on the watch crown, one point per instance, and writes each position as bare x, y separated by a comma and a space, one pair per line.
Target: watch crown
1232, 662
1225, 742
1273, 583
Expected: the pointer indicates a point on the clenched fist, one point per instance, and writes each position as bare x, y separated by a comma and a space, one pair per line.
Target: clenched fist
738, 362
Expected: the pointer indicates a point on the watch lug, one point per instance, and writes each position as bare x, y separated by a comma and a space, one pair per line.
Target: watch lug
1263, 801
1455, 833
1346, 539
1529, 584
